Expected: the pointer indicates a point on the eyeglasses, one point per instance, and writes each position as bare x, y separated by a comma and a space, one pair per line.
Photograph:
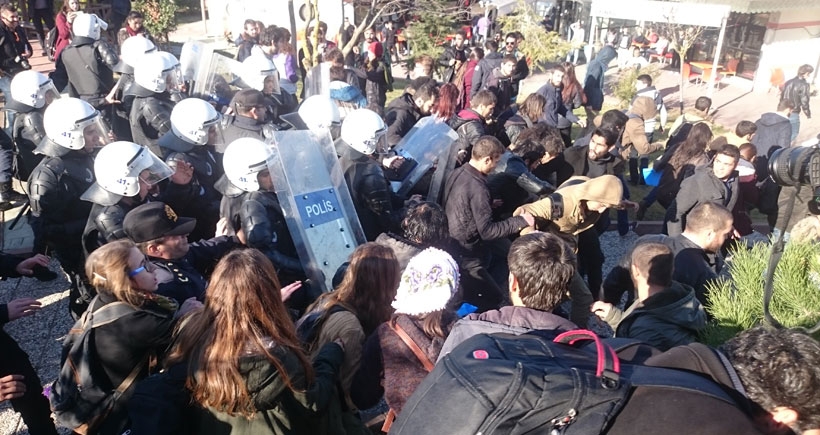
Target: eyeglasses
145, 265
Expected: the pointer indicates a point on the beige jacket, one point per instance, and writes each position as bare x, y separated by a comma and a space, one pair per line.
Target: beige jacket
573, 218
634, 132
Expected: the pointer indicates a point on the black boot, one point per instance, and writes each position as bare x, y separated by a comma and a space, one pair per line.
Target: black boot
10, 198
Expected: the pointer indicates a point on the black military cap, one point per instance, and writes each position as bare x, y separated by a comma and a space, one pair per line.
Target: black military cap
155, 220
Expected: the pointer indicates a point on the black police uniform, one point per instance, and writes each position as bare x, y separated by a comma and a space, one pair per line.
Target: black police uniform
86, 67
150, 116
371, 193
58, 214
104, 222
198, 199
28, 131
237, 127
190, 272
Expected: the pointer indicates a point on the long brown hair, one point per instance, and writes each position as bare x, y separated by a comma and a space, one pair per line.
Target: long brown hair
107, 269
369, 285
571, 84
533, 106
243, 313
693, 147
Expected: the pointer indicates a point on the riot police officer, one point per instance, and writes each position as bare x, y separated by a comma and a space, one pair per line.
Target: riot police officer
74, 130
31, 92
131, 52
364, 133
127, 175
317, 113
86, 64
259, 214
260, 73
156, 89
188, 148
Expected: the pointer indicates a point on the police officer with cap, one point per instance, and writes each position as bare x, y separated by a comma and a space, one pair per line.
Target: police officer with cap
182, 268
250, 108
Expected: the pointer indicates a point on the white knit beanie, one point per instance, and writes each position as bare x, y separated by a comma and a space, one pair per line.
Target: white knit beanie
427, 284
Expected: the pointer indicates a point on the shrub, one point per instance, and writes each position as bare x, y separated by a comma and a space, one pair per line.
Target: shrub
624, 87
539, 45
736, 303
159, 16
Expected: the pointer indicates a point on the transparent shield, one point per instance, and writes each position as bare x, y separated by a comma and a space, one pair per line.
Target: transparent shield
218, 79
190, 59
426, 143
310, 186
271, 83
317, 81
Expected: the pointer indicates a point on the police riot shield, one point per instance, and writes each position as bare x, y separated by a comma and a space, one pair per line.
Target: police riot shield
425, 144
311, 189
190, 60
317, 81
218, 78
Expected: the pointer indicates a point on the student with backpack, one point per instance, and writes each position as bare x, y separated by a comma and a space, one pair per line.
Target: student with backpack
111, 346
401, 352
358, 305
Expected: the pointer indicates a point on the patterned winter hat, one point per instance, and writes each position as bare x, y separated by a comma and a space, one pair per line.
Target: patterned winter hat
427, 284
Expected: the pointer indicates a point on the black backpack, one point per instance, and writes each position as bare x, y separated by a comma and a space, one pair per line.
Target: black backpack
76, 397
517, 384
51, 43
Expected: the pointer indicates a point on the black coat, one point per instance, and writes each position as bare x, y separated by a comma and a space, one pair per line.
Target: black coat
483, 69
578, 158
237, 127
697, 189
797, 91
468, 206
512, 182
773, 130
400, 116
372, 196
469, 126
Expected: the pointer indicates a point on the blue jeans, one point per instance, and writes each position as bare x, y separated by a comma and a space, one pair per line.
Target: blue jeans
794, 118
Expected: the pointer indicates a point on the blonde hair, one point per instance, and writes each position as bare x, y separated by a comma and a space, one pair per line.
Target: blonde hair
107, 270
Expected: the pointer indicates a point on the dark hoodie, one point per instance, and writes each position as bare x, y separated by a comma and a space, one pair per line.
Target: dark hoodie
773, 130
669, 318
400, 116
701, 187
482, 71
594, 80
470, 126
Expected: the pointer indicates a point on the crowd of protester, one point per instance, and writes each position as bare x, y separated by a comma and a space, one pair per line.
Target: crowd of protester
156, 205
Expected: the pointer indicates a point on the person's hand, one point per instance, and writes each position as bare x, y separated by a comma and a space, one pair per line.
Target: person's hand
26, 267
601, 309
109, 99
452, 62
221, 227
183, 172
340, 343
529, 218
736, 234
70, 17
289, 289
625, 203
393, 162
413, 200
355, 50
582, 123
189, 305
12, 387
23, 307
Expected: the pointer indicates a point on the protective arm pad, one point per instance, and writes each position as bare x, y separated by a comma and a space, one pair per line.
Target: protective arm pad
33, 129
261, 235
109, 223
107, 54
43, 187
157, 115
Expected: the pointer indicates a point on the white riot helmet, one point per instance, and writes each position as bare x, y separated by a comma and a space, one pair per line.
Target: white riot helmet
260, 73
244, 159
364, 131
119, 166
88, 25
320, 112
72, 123
194, 121
158, 72
132, 51
33, 89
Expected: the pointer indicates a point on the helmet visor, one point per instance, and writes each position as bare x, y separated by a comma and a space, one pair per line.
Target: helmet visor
151, 169
173, 79
48, 92
215, 134
92, 132
380, 142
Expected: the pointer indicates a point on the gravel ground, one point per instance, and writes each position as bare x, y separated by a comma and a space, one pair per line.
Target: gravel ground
41, 335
